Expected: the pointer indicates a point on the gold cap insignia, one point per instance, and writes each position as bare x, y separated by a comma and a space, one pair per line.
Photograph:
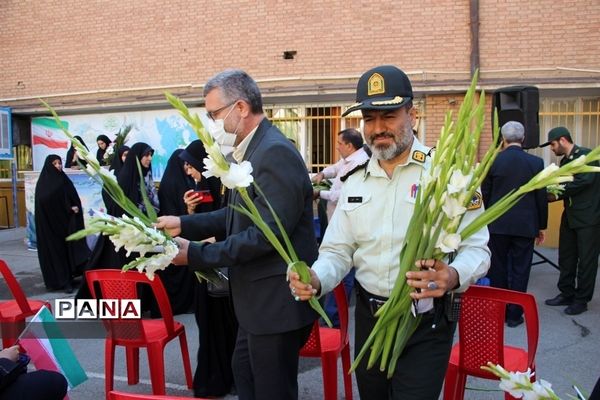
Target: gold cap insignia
475, 202
375, 85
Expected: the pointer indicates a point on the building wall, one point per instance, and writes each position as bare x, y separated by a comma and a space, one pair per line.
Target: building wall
539, 34
51, 47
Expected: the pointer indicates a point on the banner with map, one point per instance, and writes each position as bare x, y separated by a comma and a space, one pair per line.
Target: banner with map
164, 130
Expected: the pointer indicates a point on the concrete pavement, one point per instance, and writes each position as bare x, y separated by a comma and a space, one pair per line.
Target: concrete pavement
567, 353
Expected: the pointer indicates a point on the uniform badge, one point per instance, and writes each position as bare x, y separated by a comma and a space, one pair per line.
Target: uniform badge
475, 202
355, 199
375, 85
418, 156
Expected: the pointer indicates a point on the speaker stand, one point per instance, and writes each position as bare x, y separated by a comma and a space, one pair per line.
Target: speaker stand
543, 260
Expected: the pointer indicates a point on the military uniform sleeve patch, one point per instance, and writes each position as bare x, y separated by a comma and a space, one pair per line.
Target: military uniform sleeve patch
475, 202
419, 156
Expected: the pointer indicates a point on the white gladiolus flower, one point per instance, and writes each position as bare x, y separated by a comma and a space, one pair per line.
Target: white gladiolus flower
448, 242
516, 383
453, 207
109, 174
93, 162
213, 169
425, 180
90, 170
458, 182
539, 390
432, 206
158, 262
579, 161
239, 175
547, 171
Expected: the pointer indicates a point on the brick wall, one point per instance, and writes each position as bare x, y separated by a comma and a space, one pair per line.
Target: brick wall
105, 46
540, 33
70, 46
436, 108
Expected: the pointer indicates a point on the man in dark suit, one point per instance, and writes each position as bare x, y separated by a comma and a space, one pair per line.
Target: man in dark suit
579, 242
272, 326
512, 236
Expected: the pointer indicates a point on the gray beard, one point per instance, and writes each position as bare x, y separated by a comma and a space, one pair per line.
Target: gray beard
394, 150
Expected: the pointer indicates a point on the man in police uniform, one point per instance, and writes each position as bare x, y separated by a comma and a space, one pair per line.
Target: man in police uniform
579, 242
367, 230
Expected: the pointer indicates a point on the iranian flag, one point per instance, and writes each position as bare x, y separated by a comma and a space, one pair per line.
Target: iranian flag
45, 344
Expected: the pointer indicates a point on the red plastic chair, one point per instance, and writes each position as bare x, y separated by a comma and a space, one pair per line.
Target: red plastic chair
481, 338
114, 395
329, 344
153, 334
14, 312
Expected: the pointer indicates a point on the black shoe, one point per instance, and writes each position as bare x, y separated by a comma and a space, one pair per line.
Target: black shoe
560, 300
576, 308
513, 323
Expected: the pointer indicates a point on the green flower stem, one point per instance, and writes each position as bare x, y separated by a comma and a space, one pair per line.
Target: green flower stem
541, 180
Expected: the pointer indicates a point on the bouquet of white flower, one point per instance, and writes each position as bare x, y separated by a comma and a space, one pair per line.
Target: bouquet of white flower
445, 192
519, 385
134, 232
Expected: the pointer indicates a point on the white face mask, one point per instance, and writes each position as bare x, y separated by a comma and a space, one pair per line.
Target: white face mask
217, 130
223, 138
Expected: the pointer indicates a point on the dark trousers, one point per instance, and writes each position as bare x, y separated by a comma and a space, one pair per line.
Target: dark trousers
511, 265
39, 385
578, 251
421, 368
265, 367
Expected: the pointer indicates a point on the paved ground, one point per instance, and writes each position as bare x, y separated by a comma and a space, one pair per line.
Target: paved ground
568, 350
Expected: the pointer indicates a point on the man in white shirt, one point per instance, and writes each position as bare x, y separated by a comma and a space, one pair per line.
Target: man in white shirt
350, 147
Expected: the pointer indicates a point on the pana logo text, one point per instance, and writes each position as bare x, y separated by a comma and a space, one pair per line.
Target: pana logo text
97, 309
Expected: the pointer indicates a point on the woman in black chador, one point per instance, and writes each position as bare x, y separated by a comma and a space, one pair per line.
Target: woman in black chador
103, 142
73, 157
58, 213
178, 281
217, 325
129, 176
119, 159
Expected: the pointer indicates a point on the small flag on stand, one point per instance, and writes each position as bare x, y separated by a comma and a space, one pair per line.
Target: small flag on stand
45, 344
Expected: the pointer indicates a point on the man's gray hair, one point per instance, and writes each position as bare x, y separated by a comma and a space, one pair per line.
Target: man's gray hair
236, 84
513, 132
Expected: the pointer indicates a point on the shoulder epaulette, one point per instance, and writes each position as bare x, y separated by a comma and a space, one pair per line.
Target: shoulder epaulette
353, 170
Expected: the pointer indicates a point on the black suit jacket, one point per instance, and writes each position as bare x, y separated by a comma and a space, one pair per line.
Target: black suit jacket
257, 275
513, 168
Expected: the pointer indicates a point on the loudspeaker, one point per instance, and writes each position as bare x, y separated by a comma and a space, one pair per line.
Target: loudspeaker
522, 104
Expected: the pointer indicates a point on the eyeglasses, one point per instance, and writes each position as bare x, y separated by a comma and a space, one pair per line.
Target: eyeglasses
213, 114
